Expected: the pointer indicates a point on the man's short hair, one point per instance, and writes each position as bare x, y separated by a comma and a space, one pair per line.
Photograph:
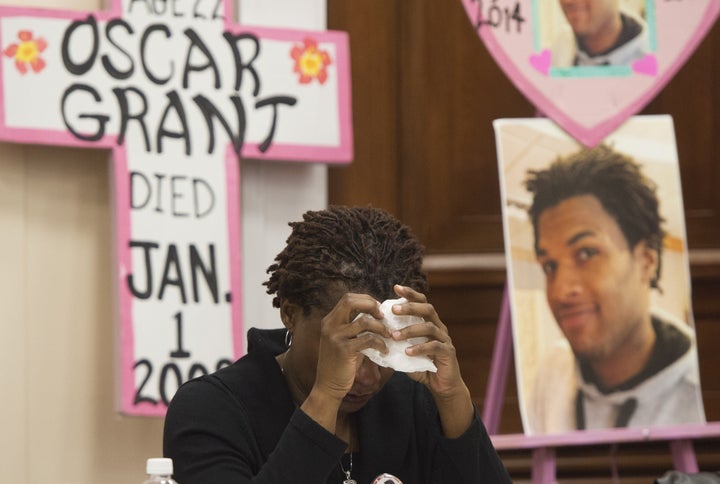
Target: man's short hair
618, 184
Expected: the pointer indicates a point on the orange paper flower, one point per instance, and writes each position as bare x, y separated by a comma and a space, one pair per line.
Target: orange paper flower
310, 62
27, 52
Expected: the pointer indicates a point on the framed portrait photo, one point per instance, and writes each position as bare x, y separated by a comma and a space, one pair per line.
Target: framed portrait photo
598, 277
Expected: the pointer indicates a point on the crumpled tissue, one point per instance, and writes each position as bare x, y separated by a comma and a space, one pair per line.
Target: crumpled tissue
396, 357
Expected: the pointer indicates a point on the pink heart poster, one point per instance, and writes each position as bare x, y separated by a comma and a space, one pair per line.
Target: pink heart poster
591, 64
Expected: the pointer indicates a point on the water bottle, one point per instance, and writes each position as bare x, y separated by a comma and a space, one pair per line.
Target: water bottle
159, 471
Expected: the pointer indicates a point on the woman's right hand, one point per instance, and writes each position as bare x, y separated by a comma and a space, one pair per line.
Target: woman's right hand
343, 336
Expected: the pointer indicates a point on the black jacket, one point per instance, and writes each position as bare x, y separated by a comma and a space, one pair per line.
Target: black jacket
240, 425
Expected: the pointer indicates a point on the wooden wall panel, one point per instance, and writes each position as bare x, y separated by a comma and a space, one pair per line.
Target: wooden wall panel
452, 90
692, 97
373, 27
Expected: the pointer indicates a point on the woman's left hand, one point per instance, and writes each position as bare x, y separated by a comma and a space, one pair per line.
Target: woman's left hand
451, 395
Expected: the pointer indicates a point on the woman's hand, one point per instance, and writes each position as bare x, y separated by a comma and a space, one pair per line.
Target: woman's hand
452, 396
342, 337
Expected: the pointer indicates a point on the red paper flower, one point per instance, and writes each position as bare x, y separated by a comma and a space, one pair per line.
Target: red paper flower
310, 62
27, 52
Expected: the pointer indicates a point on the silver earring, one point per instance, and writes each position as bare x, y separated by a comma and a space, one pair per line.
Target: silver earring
288, 338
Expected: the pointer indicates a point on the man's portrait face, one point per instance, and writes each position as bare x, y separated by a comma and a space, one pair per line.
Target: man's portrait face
597, 286
590, 17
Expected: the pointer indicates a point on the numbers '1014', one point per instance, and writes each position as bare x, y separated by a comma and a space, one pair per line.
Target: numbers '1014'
498, 14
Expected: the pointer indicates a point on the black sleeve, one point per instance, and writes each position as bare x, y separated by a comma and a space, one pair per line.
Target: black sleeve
470, 458
209, 437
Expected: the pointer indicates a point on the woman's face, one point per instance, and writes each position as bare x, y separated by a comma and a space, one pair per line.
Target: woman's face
369, 377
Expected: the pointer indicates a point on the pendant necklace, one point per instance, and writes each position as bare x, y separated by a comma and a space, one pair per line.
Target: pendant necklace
348, 479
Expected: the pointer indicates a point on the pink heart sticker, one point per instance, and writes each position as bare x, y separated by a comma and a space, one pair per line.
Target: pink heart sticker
551, 56
647, 65
542, 61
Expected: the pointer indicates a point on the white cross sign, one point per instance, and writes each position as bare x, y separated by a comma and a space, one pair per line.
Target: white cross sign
177, 92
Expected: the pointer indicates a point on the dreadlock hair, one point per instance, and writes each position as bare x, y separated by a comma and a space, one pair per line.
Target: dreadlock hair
618, 184
361, 248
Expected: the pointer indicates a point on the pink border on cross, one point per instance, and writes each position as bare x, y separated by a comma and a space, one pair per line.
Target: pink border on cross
232, 176
123, 269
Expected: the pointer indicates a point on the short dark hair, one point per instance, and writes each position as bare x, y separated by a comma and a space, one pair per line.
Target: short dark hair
362, 248
618, 184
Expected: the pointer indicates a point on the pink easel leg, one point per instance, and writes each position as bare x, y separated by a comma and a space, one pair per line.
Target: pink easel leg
502, 350
543, 468
684, 456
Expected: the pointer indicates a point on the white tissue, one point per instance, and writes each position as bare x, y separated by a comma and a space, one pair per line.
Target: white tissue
396, 357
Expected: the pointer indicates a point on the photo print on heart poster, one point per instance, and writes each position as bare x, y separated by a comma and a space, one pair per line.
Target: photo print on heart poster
557, 55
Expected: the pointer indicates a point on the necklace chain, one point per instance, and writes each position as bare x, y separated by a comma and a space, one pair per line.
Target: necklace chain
348, 478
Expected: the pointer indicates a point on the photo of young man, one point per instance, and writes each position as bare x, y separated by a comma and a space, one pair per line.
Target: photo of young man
600, 33
596, 230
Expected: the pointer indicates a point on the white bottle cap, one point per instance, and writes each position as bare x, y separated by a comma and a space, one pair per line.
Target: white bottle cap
159, 466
